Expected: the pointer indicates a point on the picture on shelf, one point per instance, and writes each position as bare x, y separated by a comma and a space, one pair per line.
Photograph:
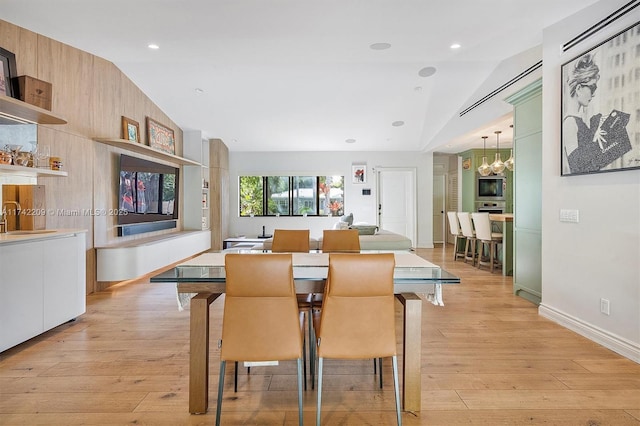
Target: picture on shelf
7, 72
160, 137
130, 130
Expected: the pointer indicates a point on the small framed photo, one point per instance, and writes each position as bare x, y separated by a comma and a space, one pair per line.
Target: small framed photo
130, 130
160, 137
466, 164
359, 173
7, 72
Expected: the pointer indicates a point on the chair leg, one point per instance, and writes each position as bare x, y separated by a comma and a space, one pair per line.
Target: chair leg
491, 246
455, 248
304, 360
380, 370
319, 391
235, 377
394, 360
223, 364
300, 421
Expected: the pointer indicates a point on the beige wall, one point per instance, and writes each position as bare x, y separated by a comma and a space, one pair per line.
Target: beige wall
92, 95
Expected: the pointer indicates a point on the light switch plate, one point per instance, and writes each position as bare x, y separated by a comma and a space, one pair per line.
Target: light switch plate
569, 216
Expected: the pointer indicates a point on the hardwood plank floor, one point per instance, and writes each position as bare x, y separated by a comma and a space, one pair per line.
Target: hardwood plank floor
488, 359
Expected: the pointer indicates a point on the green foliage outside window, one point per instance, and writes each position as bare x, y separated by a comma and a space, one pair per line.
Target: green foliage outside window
291, 195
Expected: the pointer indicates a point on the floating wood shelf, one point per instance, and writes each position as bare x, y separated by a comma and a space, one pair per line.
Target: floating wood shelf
30, 171
20, 110
144, 149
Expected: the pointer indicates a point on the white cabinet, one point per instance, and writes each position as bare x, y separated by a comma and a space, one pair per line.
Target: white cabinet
42, 285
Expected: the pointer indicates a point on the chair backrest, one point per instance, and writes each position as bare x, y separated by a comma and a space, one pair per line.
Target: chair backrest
465, 224
340, 241
261, 319
454, 224
290, 241
357, 318
482, 223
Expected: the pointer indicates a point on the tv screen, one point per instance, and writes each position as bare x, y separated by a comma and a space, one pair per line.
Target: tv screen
147, 191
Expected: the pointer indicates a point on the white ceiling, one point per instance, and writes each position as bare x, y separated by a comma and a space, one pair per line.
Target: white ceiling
299, 74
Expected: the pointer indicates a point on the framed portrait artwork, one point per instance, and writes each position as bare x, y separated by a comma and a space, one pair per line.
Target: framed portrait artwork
359, 173
7, 72
160, 137
600, 105
130, 130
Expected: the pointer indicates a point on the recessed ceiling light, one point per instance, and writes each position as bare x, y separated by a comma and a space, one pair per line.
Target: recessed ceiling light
397, 123
380, 46
153, 46
455, 46
199, 90
427, 72
350, 141
418, 88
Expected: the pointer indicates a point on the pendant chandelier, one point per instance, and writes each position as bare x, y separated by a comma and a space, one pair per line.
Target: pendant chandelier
511, 162
484, 169
497, 166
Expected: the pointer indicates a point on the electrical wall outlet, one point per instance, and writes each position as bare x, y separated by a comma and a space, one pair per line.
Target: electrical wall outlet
605, 306
569, 216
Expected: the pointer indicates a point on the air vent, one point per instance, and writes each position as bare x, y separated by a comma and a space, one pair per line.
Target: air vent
601, 24
514, 80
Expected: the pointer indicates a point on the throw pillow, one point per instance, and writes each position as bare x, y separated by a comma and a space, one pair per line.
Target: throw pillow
348, 219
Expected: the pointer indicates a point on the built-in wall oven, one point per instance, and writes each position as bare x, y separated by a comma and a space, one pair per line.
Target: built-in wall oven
490, 206
490, 188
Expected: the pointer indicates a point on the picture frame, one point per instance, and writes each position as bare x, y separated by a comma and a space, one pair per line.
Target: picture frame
160, 137
597, 106
466, 164
8, 71
130, 130
358, 173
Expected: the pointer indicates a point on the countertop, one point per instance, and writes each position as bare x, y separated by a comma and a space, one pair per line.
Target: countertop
13, 237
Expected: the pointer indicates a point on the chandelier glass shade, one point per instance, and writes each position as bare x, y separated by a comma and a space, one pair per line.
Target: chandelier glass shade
497, 166
484, 169
510, 163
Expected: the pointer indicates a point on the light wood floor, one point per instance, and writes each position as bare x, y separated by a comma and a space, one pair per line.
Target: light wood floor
488, 359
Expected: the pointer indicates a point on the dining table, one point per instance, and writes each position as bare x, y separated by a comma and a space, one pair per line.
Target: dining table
202, 280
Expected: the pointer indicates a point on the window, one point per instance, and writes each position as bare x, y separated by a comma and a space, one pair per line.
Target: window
291, 195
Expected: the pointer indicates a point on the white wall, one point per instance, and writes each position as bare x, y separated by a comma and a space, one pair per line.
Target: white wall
363, 207
600, 256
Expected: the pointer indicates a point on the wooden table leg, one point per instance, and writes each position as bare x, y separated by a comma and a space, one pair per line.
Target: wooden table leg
412, 351
199, 356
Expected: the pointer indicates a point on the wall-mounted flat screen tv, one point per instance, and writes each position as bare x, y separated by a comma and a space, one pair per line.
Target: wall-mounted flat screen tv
147, 191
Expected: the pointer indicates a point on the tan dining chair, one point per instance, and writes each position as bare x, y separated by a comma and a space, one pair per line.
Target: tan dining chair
290, 241
261, 318
456, 231
487, 239
297, 241
357, 320
340, 241
469, 233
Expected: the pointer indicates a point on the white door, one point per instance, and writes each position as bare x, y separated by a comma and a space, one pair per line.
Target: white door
397, 201
438, 209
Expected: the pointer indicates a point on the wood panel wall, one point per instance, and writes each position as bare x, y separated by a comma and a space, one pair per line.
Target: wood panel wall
92, 94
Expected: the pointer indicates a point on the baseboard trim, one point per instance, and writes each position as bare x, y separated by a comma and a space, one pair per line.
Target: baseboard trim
611, 341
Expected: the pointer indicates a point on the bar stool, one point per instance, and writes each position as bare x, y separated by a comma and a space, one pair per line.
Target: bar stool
470, 235
454, 227
486, 238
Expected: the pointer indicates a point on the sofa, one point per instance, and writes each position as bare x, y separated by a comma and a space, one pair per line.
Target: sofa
381, 240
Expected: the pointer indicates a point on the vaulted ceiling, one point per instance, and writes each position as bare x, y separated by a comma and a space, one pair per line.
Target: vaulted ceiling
302, 75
